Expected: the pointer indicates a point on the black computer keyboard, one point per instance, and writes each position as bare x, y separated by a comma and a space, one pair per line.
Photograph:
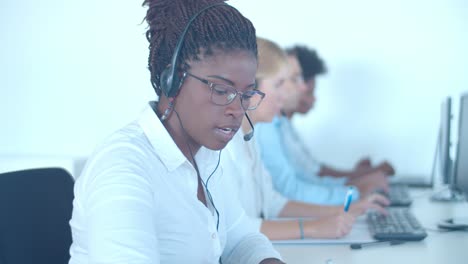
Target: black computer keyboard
399, 224
399, 195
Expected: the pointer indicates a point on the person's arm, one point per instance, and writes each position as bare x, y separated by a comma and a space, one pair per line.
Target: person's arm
329, 227
295, 149
359, 171
384, 167
120, 208
298, 209
286, 178
332, 172
244, 243
369, 183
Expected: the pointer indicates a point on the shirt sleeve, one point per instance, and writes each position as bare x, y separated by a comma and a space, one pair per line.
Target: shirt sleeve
120, 210
300, 157
332, 180
296, 151
245, 243
273, 201
286, 178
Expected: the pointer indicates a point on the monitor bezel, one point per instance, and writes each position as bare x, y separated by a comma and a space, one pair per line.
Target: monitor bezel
457, 184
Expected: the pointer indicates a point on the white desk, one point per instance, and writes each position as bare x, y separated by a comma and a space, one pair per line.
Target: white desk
437, 248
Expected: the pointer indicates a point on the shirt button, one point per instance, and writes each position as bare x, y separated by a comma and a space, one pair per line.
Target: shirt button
213, 236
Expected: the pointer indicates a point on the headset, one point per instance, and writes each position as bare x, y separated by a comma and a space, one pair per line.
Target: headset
170, 81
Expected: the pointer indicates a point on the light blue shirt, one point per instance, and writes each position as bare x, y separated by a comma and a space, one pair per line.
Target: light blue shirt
300, 157
296, 182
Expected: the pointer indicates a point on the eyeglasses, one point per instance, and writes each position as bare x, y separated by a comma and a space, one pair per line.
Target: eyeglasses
222, 94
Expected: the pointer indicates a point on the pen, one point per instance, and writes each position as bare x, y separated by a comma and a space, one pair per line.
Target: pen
348, 198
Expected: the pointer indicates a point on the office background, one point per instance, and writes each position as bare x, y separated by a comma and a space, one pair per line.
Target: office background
74, 71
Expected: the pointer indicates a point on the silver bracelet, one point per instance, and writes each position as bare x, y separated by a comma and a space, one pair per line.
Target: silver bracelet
301, 227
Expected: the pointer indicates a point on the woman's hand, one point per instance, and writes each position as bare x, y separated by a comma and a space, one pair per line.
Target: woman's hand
373, 201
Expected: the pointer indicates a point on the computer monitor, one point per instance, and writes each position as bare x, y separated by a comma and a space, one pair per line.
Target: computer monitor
460, 179
441, 164
461, 164
445, 162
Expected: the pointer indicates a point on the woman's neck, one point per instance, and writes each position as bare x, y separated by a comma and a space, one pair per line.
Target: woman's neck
287, 113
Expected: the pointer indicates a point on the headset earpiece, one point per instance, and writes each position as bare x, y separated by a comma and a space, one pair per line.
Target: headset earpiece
171, 82
166, 81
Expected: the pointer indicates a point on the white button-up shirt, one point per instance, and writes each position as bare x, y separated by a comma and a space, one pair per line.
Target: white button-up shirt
253, 181
136, 202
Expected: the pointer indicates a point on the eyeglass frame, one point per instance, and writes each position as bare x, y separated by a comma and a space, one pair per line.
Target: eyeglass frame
229, 101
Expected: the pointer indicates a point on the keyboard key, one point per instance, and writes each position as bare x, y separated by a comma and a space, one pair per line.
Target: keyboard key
399, 224
398, 195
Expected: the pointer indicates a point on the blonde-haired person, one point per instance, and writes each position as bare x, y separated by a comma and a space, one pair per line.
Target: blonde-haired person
242, 162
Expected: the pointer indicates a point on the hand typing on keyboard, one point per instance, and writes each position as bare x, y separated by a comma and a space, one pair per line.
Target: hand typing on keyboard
386, 168
398, 195
375, 202
364, 167
368, 183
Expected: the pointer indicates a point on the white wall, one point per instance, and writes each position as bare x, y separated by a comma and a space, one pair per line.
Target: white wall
391, 63
71, 72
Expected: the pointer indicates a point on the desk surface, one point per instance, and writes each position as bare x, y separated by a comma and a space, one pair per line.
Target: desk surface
438, 247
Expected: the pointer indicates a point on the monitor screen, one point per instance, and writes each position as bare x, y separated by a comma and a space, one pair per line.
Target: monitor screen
444, 142
460, 181
461, 164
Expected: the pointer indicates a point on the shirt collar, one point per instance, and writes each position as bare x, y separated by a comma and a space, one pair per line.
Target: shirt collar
160, 139
163, 144
277, 120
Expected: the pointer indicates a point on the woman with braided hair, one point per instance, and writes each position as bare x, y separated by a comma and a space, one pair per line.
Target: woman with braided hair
153, 191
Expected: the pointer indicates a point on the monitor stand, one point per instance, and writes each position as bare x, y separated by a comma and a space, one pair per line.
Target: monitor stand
448, 195
454, 224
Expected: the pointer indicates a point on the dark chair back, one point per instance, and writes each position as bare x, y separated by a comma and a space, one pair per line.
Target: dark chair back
35, 210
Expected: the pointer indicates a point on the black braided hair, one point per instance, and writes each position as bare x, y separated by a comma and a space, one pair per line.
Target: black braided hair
311, 64
220, 28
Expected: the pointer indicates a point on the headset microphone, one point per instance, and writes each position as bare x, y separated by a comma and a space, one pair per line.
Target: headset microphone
249, 135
